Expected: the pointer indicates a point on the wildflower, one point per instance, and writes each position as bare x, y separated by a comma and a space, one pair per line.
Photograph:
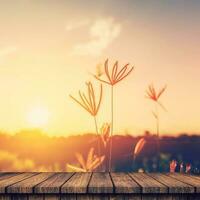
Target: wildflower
88, 165
113, 78
139, 146
89, 103
172, 166
188, 168
116, 76
181, 168
105, 133
153, 95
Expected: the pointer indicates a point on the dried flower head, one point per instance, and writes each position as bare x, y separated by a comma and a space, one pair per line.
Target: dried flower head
89, 103
105, 133
116, 75
153, 95
188, 168
88, 165
172, 166
181, 168
138, 147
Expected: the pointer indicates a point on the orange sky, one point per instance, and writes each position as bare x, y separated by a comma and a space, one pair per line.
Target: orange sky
49, 48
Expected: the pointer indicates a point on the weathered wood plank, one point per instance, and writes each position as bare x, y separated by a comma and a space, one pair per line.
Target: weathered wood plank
78, 183
123, 183
68, 197
125, 197
53, 184
174, 185
8, 175
193, 176
36, 197
27, 185
100, 183
19, 197
149, 197
187, 179
148, 184
99, 186
14, 179
51, 197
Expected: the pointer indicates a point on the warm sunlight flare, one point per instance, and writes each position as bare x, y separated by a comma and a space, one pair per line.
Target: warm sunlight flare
38, 117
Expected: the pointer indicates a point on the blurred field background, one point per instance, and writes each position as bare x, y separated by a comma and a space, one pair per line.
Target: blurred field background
33, 150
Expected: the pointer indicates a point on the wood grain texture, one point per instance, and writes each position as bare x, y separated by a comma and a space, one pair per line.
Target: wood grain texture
36, 197
5, 197
14, 179
123, 183
149, 197
68, 197
99, 186
19, 197
148, 184
7, 175
78, 183
51, 197
53, 184
125, 197
100, 183
27, 185
187, 179
193, 176
173, 184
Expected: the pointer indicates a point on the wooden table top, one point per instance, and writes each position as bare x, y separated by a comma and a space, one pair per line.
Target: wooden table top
96, 183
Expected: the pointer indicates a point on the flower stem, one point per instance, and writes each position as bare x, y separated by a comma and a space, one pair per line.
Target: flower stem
97, 132
110, 154
158, 135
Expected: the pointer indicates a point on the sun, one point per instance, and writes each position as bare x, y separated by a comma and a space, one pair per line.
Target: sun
38, 116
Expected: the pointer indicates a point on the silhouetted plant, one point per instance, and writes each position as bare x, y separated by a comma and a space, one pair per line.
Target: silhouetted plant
153, 95
105, 133
90, 104
172, 166
138, 147
113, 78
88, 165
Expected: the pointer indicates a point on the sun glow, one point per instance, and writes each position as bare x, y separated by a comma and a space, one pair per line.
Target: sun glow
38, 116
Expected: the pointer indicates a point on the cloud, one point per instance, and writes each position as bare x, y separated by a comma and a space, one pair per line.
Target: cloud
75, 25
102, 33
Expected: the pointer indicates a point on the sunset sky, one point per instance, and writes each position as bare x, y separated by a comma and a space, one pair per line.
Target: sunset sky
48, 49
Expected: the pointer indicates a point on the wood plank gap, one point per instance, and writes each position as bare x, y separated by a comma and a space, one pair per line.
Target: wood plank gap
124, 184
26, 186
65, 182
134, 180
89, 182
42, 182
193, 184
8, 175
174, 185
112, 182
19, 181
159, 181
68, 179
182, 181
